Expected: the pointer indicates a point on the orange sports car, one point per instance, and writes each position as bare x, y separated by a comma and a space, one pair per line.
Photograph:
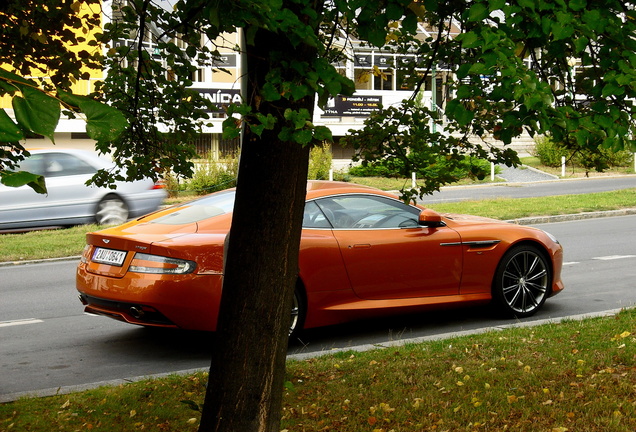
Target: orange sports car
363, 253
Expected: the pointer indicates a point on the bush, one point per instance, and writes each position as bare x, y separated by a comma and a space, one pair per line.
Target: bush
464, 167
548, 152
320, 162
211, 176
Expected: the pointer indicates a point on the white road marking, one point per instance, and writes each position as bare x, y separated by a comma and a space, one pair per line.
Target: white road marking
613, 257
571, 263
20, 322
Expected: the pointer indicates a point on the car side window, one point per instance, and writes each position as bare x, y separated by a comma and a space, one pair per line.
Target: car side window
368, 212
33, 164
61, 164
313, 217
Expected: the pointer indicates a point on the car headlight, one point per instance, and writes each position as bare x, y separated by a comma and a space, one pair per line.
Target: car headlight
146, 263
553, 238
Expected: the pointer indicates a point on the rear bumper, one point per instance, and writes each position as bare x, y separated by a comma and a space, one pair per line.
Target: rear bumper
132, 313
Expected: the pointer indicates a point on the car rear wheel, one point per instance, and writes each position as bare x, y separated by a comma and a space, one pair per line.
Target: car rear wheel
111, 210
522, 281
298, 313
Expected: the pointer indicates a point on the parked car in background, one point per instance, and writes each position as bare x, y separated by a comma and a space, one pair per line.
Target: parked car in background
69, 200
363, 253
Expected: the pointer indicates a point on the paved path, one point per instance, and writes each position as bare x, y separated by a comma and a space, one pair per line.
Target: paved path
526, 183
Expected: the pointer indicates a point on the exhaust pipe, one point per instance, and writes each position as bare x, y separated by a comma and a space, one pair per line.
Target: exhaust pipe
136, 312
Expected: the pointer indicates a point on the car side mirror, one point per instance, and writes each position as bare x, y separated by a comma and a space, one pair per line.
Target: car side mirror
430, 219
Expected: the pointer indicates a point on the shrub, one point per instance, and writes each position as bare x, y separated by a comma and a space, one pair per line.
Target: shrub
320, 162
548, 152
454, 168
213, 175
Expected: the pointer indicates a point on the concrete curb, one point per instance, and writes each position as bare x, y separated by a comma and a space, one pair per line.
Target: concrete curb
38, 261
570, 217
10, 397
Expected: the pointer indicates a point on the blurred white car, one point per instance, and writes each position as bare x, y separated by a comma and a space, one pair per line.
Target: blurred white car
69, 200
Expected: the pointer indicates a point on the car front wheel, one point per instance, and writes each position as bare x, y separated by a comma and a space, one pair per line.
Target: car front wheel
111, 210
522, 281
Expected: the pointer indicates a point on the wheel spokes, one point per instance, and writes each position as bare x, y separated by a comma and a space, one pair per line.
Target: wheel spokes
525, 281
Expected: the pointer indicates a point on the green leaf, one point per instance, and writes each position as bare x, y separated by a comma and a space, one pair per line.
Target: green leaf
104, 123
377, 37
323, 133
21, 178
16, 79
257, 129
469, 40
478, 12
9, 131
578, 5
409, 23
270, 93
303, 136
37, 112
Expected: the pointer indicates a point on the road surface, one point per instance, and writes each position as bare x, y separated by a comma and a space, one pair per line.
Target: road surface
47, 342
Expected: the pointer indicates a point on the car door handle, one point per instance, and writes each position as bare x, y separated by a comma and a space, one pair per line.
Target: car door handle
360, 246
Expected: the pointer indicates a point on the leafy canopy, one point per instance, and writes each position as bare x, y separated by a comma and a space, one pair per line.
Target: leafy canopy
563, 69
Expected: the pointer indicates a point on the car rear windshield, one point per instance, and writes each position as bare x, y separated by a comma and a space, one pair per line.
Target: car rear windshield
205, 208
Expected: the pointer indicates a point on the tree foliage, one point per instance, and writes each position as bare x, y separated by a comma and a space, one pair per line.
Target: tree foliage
40, 40
563, 68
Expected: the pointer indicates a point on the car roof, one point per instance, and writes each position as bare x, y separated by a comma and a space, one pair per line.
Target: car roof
320, 188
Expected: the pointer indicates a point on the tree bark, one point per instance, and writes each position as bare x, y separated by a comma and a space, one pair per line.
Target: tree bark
248, 361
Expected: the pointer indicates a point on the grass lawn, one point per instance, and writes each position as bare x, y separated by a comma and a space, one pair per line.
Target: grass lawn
574, 376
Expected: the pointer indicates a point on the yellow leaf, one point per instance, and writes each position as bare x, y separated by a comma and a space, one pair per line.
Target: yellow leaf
512, 398
560, 429
66, 404
194, 420
133, 413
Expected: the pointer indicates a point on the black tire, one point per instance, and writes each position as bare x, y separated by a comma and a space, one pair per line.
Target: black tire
111, 210
298, 312
522, 281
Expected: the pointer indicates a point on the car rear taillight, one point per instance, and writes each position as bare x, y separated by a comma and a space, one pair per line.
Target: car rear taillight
86, 254
146, 263
160, 184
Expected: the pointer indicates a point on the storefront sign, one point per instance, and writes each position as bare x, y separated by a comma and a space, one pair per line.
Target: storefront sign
221, 97
352, 106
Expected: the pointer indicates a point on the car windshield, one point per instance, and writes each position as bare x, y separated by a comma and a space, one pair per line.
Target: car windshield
213, 205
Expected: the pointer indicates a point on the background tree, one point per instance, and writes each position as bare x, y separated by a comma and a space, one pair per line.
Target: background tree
41, 38
563, 68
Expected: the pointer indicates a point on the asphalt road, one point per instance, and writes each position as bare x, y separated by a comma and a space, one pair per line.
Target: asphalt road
47, 343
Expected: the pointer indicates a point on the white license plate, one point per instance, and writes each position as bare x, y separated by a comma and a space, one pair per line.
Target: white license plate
109, 256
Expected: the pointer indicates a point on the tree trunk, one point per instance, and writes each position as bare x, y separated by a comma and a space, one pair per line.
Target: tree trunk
248, 361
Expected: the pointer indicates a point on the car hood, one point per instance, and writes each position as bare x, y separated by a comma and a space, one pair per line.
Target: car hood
463, 219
